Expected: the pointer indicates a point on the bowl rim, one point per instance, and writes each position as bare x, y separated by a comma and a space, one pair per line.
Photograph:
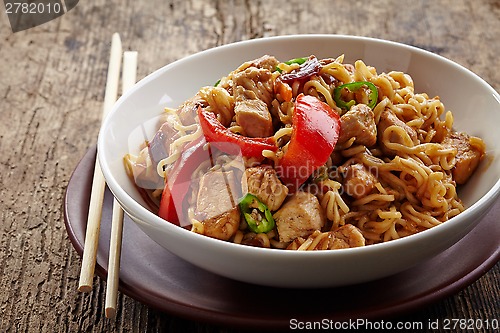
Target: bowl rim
138, 211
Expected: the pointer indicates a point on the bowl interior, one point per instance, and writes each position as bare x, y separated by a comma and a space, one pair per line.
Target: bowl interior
134, 118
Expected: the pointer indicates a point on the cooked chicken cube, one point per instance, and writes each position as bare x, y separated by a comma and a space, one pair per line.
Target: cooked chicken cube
253, 91
223, 226
254, 83
263, 182
187, 111
359, 123
299, 216
467, 158
253, 115
159, 147
267, 62
388, 119
347, 236
218, 193
344, 237
358, 180
216, 204
143, 166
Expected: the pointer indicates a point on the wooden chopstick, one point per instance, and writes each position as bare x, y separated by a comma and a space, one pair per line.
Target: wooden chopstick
98, 183
128, 80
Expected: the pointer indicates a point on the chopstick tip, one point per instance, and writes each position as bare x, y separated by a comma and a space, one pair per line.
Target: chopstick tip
132, 54
110, 313
116, 42
85, 288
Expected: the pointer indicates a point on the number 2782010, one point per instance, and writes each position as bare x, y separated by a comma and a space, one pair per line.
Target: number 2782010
32, 8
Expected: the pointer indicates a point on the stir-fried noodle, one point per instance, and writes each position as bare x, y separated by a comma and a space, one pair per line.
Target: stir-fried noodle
329, 155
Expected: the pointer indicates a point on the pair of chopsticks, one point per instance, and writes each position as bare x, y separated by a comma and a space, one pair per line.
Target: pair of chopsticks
98, 187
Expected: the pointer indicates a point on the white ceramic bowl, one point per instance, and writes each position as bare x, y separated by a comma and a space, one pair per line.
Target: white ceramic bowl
476, 108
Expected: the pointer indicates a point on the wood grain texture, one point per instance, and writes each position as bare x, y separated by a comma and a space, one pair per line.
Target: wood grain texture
51, 92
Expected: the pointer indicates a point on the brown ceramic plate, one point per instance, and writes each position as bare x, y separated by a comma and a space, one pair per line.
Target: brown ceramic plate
154, 276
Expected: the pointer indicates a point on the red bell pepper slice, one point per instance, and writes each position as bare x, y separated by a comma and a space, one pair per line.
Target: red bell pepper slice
215, 132
167, 209
315, 130
178, 181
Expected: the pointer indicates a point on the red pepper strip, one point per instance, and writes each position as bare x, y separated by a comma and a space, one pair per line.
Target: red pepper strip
215, 132
167, 209
178, 182
315, 130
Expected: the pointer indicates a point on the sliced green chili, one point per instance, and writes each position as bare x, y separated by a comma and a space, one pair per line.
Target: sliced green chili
299, 61
217, 83
256, 213
354, 86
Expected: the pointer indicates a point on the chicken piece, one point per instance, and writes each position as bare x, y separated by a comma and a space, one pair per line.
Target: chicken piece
299, 216
217, 193
266, 62
263, 182
223, 226
159, 146
254, 83
344, 237
143, 166
358, 180
253, 115
188, 110
347, 236
387, 119
358, 122
216, 204
253, 90
467, 158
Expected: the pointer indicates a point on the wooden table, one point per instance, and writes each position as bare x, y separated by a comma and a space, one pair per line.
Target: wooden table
52, 80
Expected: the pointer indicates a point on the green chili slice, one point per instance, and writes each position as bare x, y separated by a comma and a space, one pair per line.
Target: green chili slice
256, 213
299, 61
354, 86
